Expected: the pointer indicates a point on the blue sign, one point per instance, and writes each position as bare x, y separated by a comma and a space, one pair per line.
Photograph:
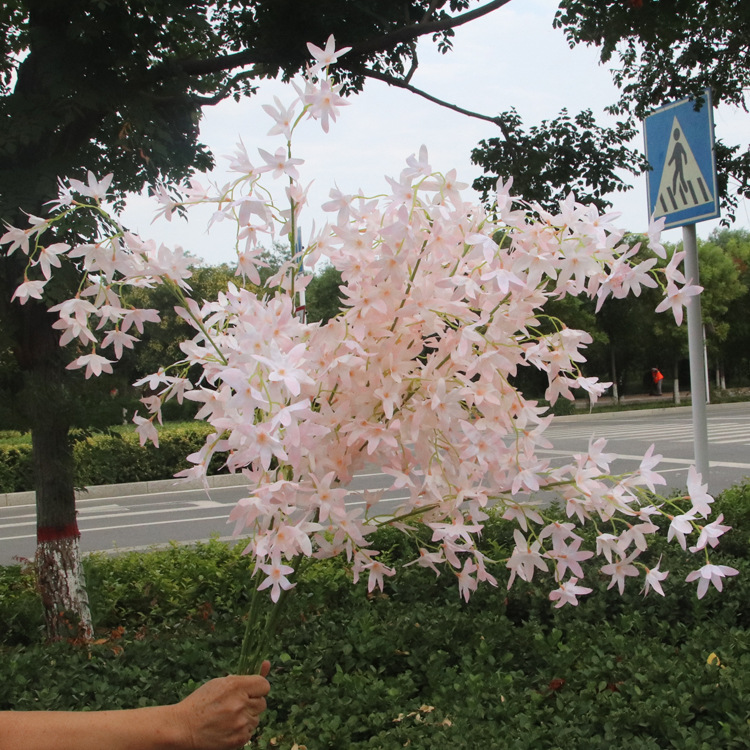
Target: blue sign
680, 149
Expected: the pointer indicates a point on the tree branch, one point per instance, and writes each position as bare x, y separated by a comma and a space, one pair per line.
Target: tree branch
195, 67
391, 81
416, 30
400, 83
225, 90
433, 7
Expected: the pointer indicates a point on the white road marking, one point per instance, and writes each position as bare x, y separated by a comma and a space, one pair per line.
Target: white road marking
198, 519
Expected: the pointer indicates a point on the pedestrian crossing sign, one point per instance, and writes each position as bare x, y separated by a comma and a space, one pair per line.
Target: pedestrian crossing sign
682, 184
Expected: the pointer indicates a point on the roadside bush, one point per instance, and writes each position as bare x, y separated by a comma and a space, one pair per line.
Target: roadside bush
414, 666
113, 458
16, 473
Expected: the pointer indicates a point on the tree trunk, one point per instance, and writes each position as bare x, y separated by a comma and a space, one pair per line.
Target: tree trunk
62, 586
676, 380
49, 405
721, 380
60, 576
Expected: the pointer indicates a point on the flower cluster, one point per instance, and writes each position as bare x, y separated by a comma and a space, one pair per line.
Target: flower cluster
444, 303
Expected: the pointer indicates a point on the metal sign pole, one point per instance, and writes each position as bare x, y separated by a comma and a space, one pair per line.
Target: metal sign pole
698, 390
683, 189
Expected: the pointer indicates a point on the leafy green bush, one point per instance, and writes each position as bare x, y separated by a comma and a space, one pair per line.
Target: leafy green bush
113, 458
16, 474
414, 666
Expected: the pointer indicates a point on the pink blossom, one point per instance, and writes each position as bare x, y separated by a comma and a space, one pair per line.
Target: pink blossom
710, 574
525, 559
698, 494
16, 238
680, 526
418, 166
415, 376
29, 290
568, 593
569, 557
323, 101
654, 577
620, 570
655, 228
119, 340
283, 117
327, 56
710, 534
466, 580
276, 578
96, 189
48, 259
95, 364
636, 534
428, 560
607, 544
146, 430
376, 571
280, 163
138, 318
644, 473
677, 298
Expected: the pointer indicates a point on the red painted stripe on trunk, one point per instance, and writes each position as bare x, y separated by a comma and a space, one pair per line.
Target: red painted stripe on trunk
55, 533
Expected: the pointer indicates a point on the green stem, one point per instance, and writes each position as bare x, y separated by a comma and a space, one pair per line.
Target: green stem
262, 622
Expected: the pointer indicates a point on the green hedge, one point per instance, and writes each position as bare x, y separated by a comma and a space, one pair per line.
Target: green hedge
414, 666
113, 458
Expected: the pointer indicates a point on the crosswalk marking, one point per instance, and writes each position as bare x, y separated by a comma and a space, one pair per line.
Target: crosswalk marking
721, 433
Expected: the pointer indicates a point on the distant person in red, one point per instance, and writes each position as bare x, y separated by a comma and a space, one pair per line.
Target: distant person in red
656, 378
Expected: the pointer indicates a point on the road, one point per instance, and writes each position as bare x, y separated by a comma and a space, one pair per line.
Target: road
630, 433
140, 521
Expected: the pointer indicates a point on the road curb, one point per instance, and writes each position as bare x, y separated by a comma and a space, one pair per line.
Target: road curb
132, 488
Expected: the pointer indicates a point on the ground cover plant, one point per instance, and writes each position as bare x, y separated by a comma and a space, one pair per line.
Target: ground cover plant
414, 665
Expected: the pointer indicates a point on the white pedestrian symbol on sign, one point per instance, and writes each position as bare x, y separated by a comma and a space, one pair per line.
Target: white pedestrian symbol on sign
682, 184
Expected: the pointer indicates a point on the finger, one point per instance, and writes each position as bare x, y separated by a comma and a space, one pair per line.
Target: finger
257, 705
265, 668
253, 686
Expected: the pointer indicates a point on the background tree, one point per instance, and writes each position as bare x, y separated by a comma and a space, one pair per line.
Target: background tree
324, 298
669, 50
556, 157
159, 346
736, 349
722, 285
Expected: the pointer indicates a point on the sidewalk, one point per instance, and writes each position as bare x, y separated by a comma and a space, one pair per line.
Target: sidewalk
666, 399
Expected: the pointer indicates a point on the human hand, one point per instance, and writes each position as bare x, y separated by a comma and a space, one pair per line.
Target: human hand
223, 713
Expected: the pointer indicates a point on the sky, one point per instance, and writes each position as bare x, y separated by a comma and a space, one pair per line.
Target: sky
511, 58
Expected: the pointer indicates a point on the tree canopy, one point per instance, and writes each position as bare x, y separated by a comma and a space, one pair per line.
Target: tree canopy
669, 50
115, 86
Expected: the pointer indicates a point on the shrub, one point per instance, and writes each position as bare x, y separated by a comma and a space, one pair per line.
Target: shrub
113, 458
414, 666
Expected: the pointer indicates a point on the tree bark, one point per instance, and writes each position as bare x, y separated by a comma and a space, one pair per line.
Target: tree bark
62, 586
60, 574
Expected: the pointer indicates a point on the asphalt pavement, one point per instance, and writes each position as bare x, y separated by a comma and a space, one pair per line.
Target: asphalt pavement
141, 515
